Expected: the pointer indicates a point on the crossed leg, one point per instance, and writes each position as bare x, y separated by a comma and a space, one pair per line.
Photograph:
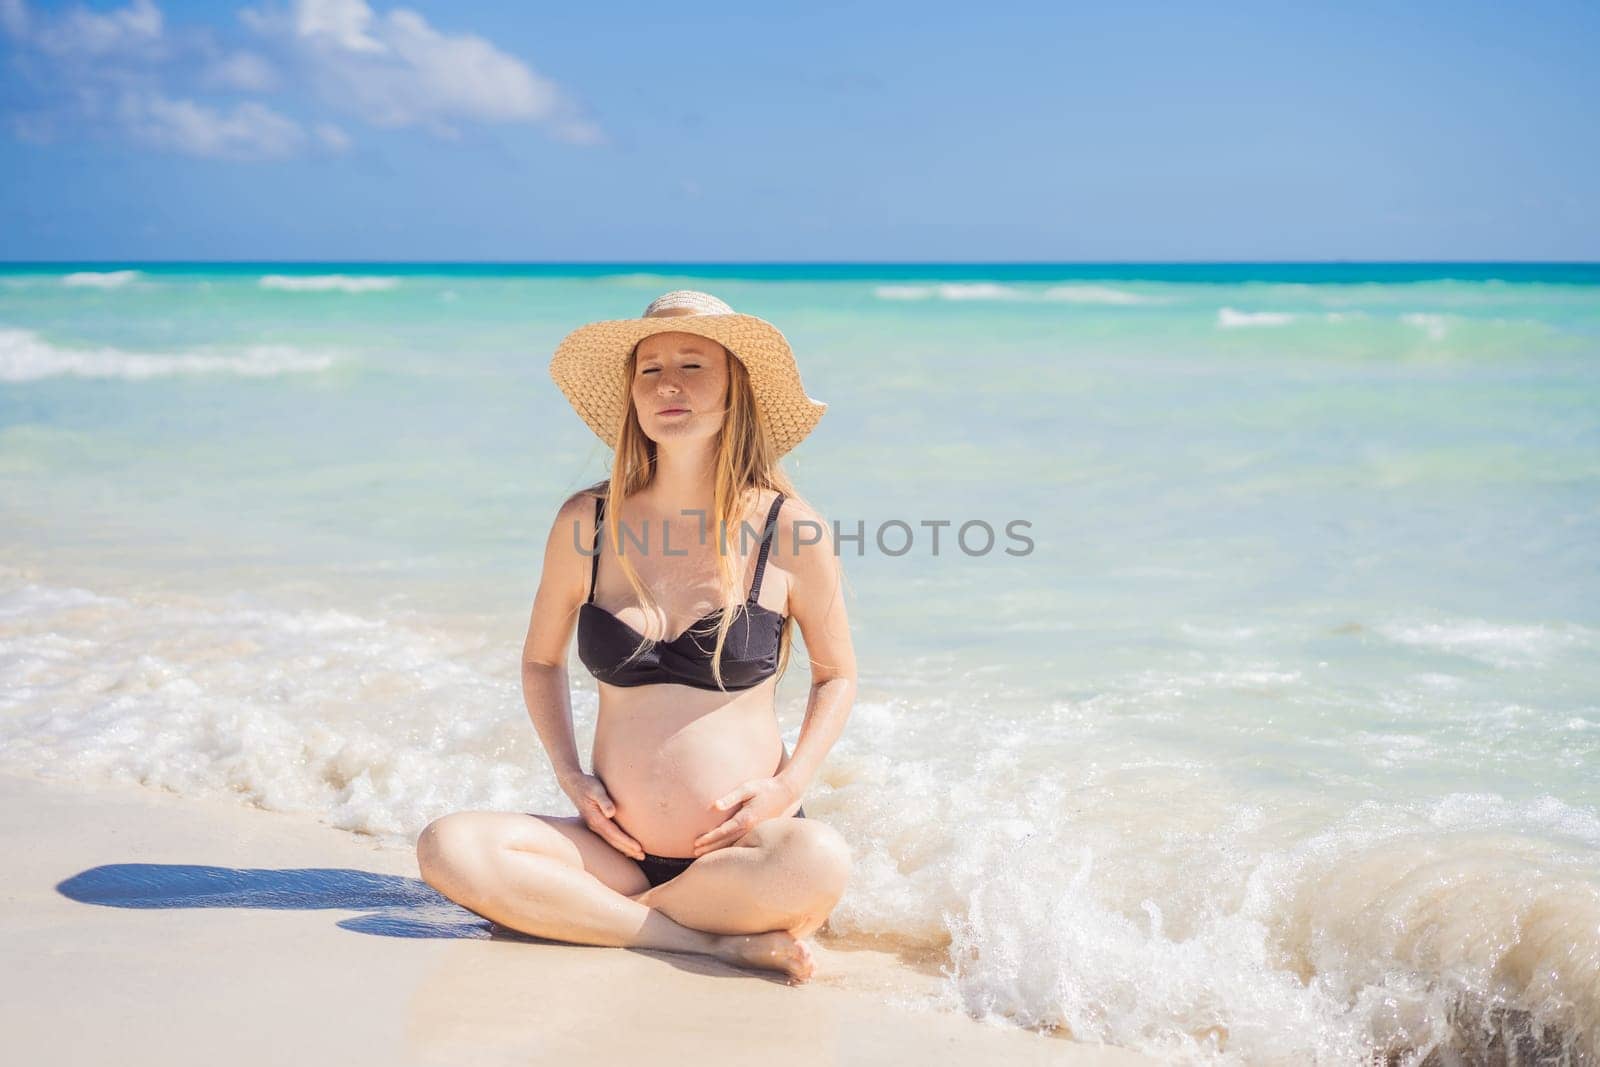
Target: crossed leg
785, 874
553, 877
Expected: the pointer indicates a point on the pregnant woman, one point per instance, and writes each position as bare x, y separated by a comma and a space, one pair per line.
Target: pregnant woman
683, 575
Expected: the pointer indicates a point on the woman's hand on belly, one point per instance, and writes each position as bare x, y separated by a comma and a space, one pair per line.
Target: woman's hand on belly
754, 802
598, 812
668, 765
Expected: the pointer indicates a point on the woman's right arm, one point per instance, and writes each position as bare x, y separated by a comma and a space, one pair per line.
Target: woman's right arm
563, 587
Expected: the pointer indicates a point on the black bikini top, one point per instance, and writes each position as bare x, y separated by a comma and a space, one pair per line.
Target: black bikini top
749, 655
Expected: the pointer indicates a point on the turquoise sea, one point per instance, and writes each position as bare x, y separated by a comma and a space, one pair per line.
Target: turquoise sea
1281, 745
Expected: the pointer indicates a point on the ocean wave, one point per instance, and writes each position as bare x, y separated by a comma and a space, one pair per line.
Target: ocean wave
1068, 294
320, 710
950, 291
637, 279
327, 283
1229, 319
88, 279
1436, 326
1093, 294
26, 357
1128, 896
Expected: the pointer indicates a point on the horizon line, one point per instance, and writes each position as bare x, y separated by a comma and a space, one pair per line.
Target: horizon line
6, 262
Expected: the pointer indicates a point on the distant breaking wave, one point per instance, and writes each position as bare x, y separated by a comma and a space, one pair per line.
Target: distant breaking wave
325, 283
1436, 326
1093, 294
26, 357
1229, 319
90, 279
1072, 294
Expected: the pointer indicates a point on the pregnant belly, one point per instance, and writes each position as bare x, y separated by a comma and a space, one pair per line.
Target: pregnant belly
664, 776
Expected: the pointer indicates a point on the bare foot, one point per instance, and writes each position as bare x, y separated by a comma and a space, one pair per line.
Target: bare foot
775, 951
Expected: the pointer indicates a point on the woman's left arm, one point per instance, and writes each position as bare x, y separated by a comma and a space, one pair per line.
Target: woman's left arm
817, 603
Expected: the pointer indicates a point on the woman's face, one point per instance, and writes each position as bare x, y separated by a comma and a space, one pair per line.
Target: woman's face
680, 386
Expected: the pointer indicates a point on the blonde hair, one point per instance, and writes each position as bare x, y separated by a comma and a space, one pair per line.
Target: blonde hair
745, 465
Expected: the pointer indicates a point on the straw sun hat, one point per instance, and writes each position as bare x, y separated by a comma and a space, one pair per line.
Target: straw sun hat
588, 364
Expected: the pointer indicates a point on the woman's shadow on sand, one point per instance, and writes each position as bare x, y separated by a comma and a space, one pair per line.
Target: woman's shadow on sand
395, 906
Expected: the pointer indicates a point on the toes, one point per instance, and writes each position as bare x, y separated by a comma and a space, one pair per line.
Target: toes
804, 963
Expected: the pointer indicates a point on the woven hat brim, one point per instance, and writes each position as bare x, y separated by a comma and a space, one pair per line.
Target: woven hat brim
588, 364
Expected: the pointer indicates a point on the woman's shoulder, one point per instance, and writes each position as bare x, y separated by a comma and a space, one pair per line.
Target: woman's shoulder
794, 509
799, 529
574, 521
582, 500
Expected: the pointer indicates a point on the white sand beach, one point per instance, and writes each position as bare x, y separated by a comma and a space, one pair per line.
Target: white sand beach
145, 928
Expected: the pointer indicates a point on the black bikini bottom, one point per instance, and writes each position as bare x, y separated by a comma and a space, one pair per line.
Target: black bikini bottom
658, 869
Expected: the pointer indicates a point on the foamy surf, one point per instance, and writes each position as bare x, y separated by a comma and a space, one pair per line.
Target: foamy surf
26, 357
1374, 936
357, 720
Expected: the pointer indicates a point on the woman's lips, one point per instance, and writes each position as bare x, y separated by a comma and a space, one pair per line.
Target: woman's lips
673, 411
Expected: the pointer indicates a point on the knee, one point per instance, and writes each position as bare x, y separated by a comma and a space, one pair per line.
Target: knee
444, 850
816, 857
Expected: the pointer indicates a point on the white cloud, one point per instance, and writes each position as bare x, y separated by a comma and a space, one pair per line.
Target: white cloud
81, 33
124, 70
332, 137
340, 23
249, 131
243, 71
394, 69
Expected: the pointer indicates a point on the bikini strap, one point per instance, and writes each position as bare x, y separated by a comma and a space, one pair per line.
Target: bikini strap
770, 529
594, 561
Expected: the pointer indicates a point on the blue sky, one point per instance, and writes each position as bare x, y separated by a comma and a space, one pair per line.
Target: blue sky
355, 129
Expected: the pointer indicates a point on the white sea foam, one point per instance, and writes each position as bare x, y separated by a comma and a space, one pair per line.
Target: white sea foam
88, 279
371, 724
1129, 899
1229, 319
326, 283
26, 357
1497, 644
